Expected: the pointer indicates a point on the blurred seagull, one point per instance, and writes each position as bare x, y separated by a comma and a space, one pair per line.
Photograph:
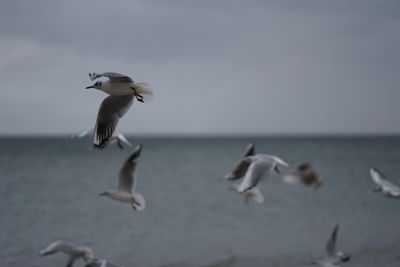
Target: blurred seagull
126, 186
73, 251
387, 187
260, 166
122, 90
240, 169
305, 174
116, 137
333, 257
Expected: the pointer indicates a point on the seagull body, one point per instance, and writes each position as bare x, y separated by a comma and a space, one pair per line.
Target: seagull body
125, 192
122, 91
73, 251
333, 257
116, 137
387, 187
261, 166
305, 174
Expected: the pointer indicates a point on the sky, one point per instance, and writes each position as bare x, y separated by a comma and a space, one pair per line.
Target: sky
216, 67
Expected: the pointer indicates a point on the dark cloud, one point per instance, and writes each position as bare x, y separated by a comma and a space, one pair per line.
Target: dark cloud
216, 66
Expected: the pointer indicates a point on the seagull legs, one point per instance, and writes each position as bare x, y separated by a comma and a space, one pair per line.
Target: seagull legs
139, 97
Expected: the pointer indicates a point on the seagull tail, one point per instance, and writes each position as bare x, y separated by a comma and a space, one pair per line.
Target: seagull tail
144, 90
140, 203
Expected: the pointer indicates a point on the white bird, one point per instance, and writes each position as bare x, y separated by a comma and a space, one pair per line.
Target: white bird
240, 169
116, 137
73, 251
388, 188
305, 174
122, 90
127, 179
333, 257
260, 167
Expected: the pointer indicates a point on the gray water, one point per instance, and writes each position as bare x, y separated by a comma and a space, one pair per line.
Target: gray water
49, 190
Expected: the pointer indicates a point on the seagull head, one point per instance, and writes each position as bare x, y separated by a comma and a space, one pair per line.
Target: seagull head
96, 85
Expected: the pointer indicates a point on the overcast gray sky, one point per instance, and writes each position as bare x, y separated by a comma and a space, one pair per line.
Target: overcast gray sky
217, 67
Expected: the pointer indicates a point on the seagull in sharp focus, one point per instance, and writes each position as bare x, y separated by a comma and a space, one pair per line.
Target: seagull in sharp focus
122, 91
126, 186
333, 257
74, 252
387, 187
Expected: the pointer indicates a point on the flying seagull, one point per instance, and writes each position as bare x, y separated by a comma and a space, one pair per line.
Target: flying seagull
304, 174
261, 166
333, 257
387, 187
116, 137
240, 169
122, 91
73, 251
126, 187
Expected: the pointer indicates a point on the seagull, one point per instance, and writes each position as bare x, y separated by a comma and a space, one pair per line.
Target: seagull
240, 169
333, 257
125, 192
122, 90
116, 137
260, 166
305, 174
73, 251
387, 187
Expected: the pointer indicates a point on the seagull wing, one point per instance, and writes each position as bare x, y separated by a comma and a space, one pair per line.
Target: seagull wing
387, 186
257, 169
127, 172
331, 244
111, 110
239, 171
249, 150
60, 246
123, 139
113, 76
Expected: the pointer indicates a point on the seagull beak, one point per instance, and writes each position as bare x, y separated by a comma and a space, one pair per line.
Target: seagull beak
89, 87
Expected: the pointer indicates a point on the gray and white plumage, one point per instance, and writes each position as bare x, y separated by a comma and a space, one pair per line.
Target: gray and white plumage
127, 182
122, 90
240, 169
260, 167
74, 252
116, 137
334, 257
388, 188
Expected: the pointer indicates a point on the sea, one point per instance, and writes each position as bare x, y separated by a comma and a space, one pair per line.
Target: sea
49, 190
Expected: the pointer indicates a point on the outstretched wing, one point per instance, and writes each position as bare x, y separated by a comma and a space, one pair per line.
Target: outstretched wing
331, 244
127, 172
111, 110
249, 150
60, 246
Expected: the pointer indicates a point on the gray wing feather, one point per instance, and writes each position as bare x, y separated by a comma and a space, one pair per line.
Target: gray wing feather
60, 246
331, 244
127, 172
117, 77
111, 110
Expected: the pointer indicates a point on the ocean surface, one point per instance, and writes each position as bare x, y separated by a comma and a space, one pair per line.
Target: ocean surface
49, 191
